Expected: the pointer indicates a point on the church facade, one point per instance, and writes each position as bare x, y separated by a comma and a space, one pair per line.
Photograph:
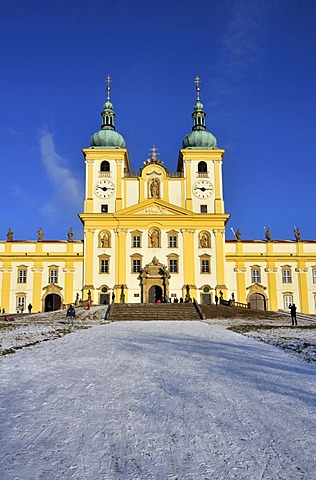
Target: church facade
156, 234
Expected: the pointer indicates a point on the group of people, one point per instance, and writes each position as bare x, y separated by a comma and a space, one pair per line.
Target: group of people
169, 300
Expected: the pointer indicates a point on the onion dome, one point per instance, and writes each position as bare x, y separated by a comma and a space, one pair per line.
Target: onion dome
107, 137
199, 137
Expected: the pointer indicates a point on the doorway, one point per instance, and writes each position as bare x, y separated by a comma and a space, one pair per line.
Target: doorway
154, 294
52, 302
257, 301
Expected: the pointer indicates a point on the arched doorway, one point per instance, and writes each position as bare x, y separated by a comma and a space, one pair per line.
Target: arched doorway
52, 302
154, 294
257, 301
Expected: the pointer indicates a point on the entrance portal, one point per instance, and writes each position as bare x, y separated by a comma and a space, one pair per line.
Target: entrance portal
52, 302
154, 294
257, 301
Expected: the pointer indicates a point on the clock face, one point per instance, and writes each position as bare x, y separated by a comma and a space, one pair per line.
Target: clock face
203, 189
104, 189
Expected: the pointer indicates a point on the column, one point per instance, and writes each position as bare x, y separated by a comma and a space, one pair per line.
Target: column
69, 283
6, 270
272, 279
37, 294
218, 202
119, 175
120, 263
89, 260
220, 259
303, 289
189, 260
240, 270
188, 186
88, 204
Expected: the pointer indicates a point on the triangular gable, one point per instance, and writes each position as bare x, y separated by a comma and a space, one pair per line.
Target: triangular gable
153, 207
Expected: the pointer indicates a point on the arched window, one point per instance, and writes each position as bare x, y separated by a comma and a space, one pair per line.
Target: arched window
105, 166
202, 167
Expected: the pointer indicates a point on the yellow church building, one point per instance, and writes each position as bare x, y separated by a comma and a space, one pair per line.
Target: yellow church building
155, 234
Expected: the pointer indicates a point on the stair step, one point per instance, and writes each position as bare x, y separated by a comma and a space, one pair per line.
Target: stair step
152, 311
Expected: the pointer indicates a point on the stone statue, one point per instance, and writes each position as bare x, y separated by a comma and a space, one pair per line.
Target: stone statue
40, 235
154, 188
238, 235
70, 235
268, 235
154, 239
297, 234
105, 240
203, 241
10, 235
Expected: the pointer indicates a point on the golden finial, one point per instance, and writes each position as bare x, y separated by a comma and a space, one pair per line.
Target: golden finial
153, 152
197, 82
108, 88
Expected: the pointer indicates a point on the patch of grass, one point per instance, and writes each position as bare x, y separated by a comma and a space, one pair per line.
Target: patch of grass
251, 328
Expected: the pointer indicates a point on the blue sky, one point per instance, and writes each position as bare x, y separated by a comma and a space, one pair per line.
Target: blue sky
257, 64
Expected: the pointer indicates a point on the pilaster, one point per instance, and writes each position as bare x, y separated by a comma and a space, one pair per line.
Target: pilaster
189, 258
37, 294
219, 234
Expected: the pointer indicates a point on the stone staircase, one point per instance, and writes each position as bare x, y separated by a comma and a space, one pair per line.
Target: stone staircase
153, 311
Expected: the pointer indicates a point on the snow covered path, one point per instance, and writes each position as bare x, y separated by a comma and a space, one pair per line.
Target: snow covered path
156, 400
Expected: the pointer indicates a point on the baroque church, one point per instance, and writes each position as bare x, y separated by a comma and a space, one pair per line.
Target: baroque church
155, 234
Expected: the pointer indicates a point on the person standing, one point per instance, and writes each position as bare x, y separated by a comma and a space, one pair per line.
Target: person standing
30, 306
293, 314
71, 313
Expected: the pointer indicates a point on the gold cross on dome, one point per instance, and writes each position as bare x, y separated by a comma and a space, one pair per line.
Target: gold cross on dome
153, 152
108, 80
197, 81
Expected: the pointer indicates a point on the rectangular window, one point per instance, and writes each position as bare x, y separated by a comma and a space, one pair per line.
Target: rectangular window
205, 266
136, 266
173, 241
255, 276
173, 266
203, 208
104, 208
314, 276
136, 241
286, 276
104, 266
53, 276
288, 300
22, 276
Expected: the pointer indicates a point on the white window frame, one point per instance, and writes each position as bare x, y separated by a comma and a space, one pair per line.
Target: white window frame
286, 275
288, 300
53, 275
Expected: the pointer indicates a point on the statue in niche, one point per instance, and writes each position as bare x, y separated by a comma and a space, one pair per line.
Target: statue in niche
10, 235
40, 235
154, 239
203, 240
268, 235
238, 235
70, 235
154, 188
297, 234
105, 240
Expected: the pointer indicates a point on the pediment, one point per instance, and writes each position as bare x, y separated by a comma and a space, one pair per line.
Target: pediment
154, 207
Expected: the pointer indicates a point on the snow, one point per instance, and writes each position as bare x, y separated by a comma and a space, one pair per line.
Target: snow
154, 400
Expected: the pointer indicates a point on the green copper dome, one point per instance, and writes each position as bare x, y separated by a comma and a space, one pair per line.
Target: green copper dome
199, 137
107, 137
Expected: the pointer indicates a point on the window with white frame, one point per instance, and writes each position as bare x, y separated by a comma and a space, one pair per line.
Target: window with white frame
173, 265
104, 265
136, 241
314, 274
205, 265
172, 239
22, 275
53, 275
136, 265
286, 275
255, 274
287, 300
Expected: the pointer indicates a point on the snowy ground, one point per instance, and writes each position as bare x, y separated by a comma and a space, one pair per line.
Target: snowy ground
155, 400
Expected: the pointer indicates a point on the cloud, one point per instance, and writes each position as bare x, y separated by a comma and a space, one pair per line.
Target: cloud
67, 190
240, 44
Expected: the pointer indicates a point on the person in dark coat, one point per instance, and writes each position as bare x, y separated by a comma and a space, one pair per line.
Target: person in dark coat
293, 314
71, 313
